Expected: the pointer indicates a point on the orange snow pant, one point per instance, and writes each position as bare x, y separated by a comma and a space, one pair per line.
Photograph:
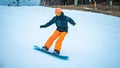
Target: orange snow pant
55, 35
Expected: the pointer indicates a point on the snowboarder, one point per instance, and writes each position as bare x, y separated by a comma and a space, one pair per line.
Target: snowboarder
61, 22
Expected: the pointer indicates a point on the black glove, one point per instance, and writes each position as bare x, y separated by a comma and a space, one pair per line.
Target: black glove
74, 24
42, 26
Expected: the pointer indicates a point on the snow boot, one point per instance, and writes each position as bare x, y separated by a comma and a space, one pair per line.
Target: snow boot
56, 52
44, 48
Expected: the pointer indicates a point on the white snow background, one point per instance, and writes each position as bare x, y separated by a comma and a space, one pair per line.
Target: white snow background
93, 43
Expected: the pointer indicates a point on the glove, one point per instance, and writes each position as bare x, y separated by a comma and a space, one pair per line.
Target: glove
42, 26
74, 24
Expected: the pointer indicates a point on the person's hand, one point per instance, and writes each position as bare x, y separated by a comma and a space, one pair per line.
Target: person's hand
74, 24
42, 26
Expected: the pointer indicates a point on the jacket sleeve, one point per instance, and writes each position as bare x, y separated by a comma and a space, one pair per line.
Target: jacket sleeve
71, 21
52, 21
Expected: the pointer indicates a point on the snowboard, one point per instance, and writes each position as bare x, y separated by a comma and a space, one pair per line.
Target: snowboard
50, 53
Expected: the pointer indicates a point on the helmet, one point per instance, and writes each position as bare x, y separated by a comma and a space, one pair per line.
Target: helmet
58, 11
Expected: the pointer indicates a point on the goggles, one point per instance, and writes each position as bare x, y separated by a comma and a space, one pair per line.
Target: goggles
58, 13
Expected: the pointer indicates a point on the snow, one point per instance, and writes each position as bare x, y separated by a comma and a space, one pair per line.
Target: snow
93, 43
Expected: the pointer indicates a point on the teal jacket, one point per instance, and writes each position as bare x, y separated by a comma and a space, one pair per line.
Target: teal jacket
61, 22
